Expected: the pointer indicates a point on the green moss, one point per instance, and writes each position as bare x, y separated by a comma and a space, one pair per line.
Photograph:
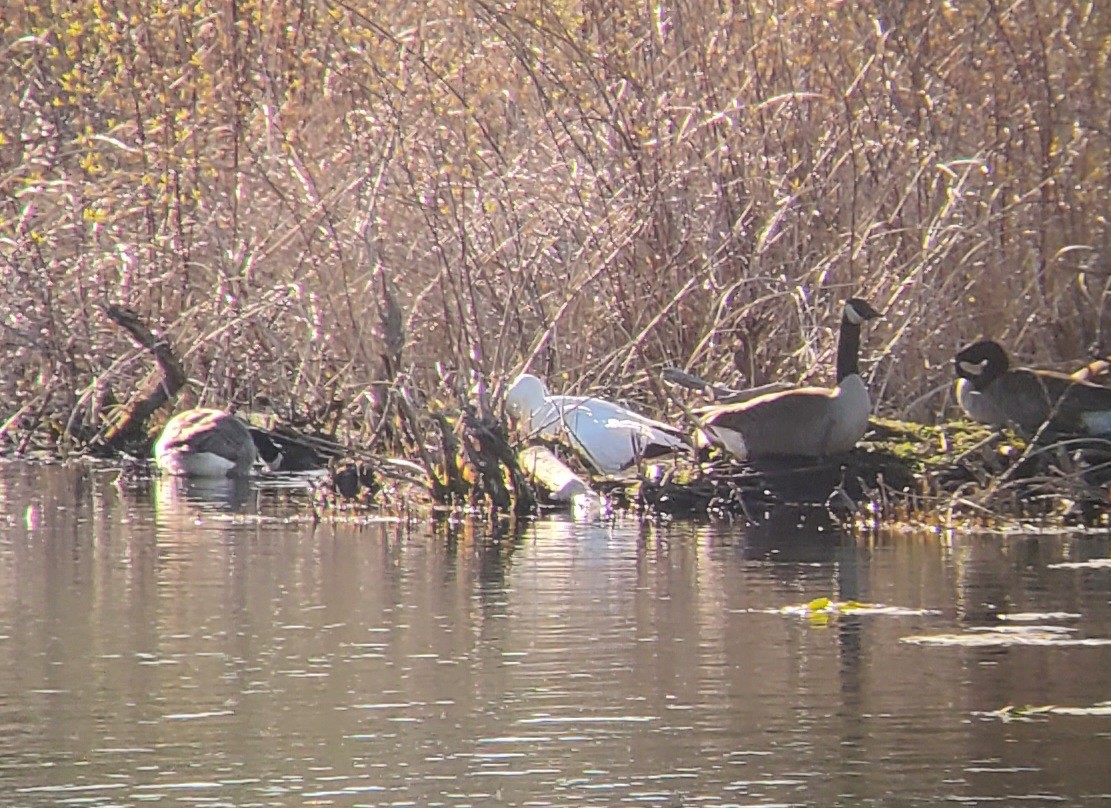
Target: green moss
926, 446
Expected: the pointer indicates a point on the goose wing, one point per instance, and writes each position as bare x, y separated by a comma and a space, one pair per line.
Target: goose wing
786, 405
186, 427
612, 437
805, 421
1070, 406
231, 439
211, 431
610, 415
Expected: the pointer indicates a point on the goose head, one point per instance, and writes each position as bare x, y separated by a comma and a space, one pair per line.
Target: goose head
854, 313
981, 363
857, 310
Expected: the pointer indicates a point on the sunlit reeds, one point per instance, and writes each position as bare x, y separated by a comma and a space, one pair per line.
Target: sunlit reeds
593, 189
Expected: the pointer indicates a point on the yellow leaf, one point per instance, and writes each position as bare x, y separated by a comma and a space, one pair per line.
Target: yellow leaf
818, 604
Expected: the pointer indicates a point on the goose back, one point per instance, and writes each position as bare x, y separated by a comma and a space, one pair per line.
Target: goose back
205, 443
610, 437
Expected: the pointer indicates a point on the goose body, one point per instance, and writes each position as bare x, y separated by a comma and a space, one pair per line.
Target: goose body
205, 443
978, 406
609, 436
804, 421
990, 391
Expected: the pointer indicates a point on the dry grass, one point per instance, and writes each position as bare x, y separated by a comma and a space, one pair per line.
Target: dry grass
591, 189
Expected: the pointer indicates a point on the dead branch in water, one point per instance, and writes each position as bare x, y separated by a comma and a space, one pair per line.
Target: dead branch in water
128, 426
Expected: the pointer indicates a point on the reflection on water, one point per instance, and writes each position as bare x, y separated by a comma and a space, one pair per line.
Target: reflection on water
174, 494
179, 646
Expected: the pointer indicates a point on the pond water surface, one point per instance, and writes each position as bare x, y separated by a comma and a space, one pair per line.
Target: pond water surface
159, 648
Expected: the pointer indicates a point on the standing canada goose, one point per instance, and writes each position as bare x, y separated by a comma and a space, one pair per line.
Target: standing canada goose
991, 392
205, 443
804, 421
609, 436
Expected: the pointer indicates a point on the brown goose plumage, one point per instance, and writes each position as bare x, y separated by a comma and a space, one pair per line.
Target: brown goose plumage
805, 421
205, 443
992, 392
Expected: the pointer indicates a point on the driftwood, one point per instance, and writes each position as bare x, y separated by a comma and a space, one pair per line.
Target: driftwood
717, 393
128, 425
550, 473
488, 451
1096, 371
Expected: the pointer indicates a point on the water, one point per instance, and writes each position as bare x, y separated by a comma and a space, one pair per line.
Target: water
155, 649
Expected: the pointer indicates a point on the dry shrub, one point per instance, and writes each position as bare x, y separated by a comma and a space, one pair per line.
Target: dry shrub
592, 189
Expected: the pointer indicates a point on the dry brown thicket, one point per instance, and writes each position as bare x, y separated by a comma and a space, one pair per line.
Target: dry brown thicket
593, 189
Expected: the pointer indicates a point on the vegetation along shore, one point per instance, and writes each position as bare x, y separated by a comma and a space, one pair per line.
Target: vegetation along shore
364, 221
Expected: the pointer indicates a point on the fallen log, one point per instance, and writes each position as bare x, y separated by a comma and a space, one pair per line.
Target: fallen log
548, 472
717, 393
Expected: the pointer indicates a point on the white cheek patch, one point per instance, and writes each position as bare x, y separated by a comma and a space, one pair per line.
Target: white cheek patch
855, 316
972, 368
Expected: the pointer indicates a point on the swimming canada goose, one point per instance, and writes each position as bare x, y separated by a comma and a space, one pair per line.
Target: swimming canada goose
205, 443
991, 392
610, 437
804, 421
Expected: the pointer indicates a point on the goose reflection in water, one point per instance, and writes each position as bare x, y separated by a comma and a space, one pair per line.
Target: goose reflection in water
787, 534
185, 494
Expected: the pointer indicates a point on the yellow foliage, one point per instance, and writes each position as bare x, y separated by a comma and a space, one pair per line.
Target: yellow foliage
603, 186
94, 215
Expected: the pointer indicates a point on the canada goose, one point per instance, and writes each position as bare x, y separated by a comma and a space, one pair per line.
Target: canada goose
991, 392
282, 450
609, 436
804, 421
205, 443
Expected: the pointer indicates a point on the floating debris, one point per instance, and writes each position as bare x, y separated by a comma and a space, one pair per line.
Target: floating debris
1035, 617
1008, 635
826, 606
1039, 713
1091, 564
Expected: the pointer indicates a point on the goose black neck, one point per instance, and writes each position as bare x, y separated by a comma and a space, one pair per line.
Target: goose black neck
848, 350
